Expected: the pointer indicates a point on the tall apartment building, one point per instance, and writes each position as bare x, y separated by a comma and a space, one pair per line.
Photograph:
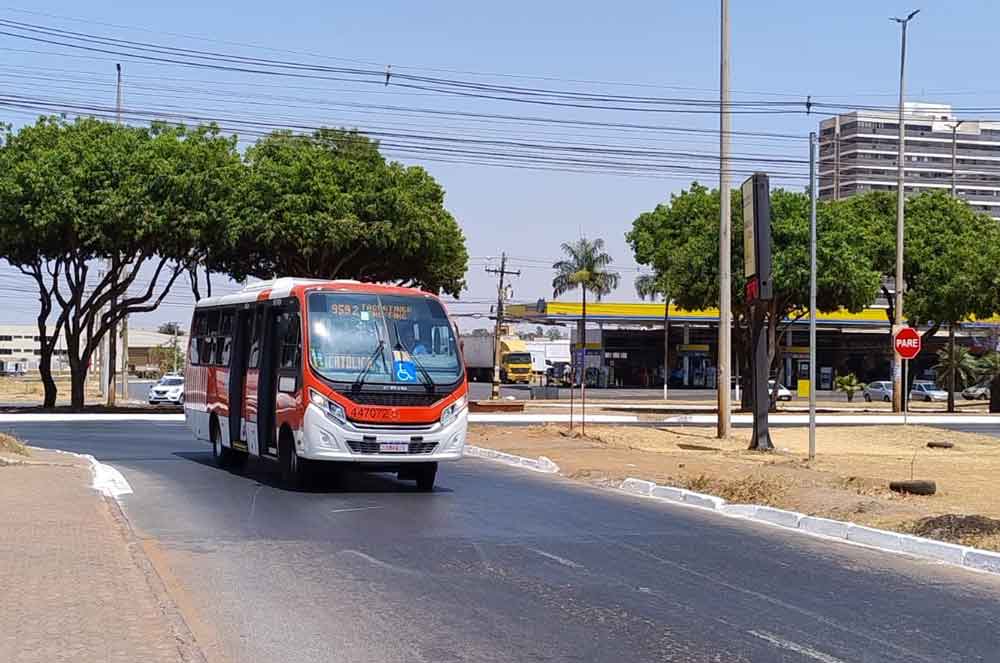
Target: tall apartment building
858, 152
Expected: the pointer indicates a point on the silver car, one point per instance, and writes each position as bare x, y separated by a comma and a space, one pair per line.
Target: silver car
880, 390
978, 392
927, 391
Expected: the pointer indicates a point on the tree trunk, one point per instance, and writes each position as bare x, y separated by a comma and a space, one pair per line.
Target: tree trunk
48, 383
77, 371
951, 377
583, 378
995, 395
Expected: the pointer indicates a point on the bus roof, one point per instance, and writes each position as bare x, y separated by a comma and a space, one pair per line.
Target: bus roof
284, 287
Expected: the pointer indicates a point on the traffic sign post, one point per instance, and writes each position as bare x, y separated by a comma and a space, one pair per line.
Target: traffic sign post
757, 268
906, 343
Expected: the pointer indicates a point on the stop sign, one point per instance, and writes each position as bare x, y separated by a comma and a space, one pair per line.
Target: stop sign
907, 343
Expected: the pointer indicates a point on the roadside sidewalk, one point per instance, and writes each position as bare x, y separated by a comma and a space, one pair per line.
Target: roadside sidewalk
71, 588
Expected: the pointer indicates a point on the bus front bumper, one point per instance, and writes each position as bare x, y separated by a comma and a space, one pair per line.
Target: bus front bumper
326, 439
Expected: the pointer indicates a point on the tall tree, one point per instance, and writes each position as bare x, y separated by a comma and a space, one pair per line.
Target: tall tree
679, 241
651, 286
108, 212
330, 206
585, 267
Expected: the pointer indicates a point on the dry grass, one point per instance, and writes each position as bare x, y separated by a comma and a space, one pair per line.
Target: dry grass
12, 445
847, 481
30, 390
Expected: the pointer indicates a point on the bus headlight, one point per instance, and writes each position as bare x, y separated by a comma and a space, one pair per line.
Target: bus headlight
329, 408
449, 413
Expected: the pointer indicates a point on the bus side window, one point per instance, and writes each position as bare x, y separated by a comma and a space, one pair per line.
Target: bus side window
253, 361
224, 342
207, 350
197, 333
291, 344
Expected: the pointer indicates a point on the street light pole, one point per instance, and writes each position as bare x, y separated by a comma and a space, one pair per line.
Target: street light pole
812, 295
725, 294
897, 373
954, 158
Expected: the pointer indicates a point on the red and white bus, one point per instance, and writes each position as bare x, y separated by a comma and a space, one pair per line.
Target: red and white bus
302, 371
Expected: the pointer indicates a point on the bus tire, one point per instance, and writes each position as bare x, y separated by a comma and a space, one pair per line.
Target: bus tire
294, 470
222, 456
425, 474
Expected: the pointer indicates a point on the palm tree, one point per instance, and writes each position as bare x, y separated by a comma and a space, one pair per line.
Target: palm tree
584, 268
956, 368
849, 385
988, 369
649, 286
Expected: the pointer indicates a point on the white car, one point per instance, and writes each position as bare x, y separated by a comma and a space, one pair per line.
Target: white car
170, 389
927, 391
880, 390
783, 393
979, 392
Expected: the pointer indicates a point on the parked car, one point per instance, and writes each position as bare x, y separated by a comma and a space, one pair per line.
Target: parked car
978, 392
170, 389
880, 390
927, 391
783, 393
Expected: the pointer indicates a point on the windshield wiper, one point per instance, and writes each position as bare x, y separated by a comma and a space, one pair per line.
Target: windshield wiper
376, 353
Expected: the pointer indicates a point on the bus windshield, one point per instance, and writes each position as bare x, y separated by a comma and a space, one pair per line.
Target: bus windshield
384, 339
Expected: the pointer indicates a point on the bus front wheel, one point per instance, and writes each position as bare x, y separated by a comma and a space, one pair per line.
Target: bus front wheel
294, 470
425, 475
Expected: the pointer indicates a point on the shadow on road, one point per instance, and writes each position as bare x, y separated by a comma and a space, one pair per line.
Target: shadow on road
326, 477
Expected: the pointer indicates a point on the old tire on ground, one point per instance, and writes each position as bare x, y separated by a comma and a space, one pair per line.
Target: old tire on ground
940, 445
914, 487
294, 470
425, 475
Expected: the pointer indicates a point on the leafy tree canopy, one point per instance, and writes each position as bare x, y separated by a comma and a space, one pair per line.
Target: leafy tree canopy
330, 206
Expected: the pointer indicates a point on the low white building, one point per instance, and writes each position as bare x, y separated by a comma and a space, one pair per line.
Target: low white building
20, 349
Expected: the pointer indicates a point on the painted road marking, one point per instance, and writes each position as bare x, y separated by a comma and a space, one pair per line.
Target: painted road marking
556, 558
797, 648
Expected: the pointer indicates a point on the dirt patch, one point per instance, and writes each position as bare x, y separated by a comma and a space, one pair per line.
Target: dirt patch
849, 479
11, 445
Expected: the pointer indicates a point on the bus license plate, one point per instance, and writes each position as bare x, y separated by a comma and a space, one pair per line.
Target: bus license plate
394, 447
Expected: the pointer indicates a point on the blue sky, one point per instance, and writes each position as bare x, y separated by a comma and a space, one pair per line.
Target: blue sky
844, 53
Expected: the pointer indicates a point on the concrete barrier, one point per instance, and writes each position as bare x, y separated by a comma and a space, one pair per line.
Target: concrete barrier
668, 493
702, 500
778, 516
740, 510
874, 537
824, 527
946, 552
637, 486
983, 560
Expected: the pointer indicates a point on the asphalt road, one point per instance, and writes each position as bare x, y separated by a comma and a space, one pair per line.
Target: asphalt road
502, 565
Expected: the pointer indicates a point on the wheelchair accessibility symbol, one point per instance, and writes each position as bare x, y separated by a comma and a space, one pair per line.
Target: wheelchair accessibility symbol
406, 371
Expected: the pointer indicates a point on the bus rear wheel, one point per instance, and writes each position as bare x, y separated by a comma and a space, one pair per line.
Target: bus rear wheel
223, 457
425, 475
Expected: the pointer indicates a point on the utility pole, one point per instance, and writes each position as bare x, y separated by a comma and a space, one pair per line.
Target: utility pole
502, 273
175, 346
725, 294
812, 295
897, 372
111, 393
118, 114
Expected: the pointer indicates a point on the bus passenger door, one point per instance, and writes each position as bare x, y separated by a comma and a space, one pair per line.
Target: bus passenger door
237, 380
267, 378
252, 382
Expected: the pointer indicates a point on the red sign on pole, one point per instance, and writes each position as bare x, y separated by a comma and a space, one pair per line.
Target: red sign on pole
907, 342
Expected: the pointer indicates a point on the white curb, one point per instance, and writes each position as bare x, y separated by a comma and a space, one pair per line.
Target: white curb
106, 480
540, 464
939, 551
